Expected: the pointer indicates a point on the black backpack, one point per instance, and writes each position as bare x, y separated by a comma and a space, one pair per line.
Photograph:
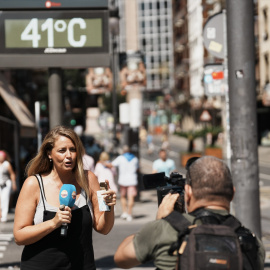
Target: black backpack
219, 242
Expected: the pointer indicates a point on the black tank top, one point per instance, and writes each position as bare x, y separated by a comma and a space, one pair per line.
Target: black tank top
54, 252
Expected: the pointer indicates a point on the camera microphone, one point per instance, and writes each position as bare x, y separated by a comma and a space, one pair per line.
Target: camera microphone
67, 197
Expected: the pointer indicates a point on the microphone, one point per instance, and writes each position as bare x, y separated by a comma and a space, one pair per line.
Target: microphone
67, 197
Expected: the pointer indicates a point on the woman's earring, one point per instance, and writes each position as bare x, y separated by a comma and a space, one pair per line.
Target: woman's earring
50, 160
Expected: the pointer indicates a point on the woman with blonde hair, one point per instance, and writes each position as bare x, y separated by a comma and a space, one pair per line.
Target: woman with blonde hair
38, 219
104, 170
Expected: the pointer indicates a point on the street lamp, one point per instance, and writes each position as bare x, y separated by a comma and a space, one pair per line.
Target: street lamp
114, 29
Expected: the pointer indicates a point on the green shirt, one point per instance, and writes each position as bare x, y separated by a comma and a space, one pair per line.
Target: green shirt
155, 238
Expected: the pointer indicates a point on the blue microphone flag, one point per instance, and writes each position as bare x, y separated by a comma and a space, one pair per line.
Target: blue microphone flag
67, 195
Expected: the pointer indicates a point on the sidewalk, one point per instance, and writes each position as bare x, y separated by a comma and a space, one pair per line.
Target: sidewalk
144, 211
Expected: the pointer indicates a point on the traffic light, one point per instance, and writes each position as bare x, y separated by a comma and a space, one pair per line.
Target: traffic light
73, 122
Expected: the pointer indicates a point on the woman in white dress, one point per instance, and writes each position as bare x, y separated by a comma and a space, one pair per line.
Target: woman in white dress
104, 171
7, 182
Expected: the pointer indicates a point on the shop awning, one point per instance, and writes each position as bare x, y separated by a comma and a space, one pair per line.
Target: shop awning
18, 108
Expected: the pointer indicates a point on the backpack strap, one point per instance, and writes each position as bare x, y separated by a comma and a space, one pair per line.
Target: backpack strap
181, 225
206, 217
209, 217
232, 222
177, 221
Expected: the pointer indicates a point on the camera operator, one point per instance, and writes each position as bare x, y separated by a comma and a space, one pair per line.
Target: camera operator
208, 186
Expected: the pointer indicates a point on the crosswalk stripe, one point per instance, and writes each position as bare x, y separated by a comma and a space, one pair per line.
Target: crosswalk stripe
6, 234
264, 176
5, 238
263, 163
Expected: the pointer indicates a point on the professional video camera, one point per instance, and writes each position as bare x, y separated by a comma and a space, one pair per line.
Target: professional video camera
164, 185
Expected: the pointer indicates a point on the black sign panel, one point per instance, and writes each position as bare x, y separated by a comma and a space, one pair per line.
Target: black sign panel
54, 34
52, 4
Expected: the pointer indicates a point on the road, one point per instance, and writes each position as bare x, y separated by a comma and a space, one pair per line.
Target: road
144, 211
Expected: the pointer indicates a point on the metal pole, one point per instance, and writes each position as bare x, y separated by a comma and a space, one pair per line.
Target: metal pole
17, 153
114, 96
37, 113
227, 105
55, 97
243, 122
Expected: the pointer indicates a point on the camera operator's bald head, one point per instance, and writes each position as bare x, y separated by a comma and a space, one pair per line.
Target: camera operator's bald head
210, 182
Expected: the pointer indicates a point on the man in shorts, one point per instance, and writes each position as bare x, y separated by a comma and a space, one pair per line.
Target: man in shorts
127, 165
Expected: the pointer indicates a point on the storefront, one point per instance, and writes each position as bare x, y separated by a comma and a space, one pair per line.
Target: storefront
17, 125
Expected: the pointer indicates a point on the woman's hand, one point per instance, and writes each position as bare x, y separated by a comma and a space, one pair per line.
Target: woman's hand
62, 216
102, 220
110, 195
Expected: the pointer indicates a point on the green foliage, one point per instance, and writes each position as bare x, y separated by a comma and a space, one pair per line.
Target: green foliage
191, 135
214, 130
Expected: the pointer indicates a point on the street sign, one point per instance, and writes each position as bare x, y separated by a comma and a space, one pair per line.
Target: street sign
214, 82
55, 38
213, 35
105, 121
205, 116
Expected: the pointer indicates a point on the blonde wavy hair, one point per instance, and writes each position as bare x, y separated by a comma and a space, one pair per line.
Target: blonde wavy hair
41, 164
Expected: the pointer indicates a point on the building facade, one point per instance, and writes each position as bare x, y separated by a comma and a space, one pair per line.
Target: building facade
153, 36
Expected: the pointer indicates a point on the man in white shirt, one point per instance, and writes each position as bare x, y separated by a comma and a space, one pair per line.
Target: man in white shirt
127, 165
163, 164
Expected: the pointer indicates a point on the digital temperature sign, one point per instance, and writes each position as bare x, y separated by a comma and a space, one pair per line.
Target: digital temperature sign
75, 35
50, 33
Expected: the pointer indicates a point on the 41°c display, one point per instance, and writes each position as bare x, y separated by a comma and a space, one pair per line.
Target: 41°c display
52, 32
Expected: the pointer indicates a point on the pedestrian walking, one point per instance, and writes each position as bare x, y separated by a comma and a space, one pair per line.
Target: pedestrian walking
88, 163
165, 142
104, 171
150, 144
92, 148
127, 165
163, 164
7, 183
143, 136
38, 219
